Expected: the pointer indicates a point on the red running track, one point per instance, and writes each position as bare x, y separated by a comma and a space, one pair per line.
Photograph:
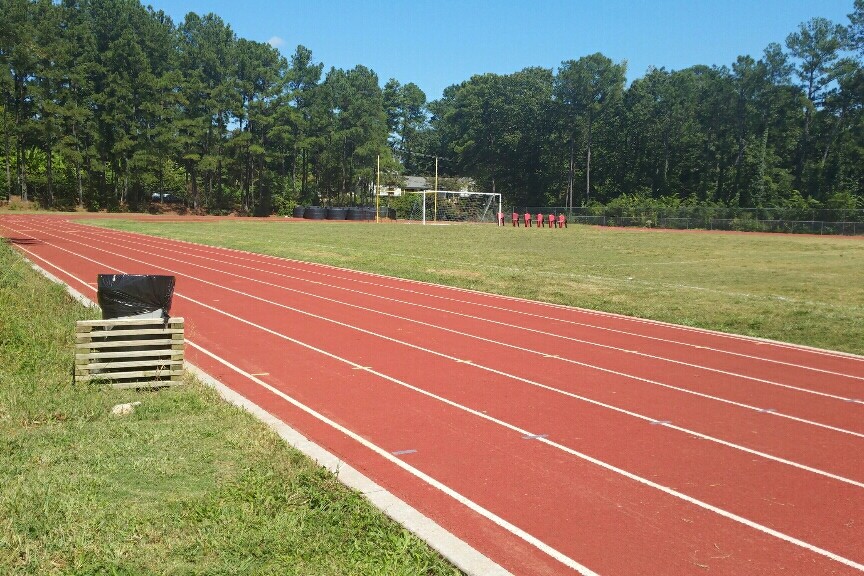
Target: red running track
553, 440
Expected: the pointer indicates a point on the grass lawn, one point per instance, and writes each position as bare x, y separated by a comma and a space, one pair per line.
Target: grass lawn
803, 289
186, 485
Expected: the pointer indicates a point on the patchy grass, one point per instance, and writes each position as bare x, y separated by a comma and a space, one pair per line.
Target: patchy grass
803, 289
185, 485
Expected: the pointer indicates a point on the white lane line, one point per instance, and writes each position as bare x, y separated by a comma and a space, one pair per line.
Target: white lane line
453, 548
536, 331
391, 457
491, 516
552, 334
723, 335
506, 325
644, 481
540, 438
576, 362
556, 390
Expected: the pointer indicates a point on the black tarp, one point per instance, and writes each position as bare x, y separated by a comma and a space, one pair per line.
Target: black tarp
122, 295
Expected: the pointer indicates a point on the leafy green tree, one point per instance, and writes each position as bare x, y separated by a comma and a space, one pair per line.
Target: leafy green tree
294, 123
587, 89
856, 27
259, 73
496, 129
207, 96
406, 118
351, 129
19, 55
816, 48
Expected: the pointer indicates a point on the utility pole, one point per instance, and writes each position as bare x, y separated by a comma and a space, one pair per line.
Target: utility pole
378, 191
436, 189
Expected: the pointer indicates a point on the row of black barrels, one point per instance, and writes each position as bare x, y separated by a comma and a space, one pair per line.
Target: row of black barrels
343, 213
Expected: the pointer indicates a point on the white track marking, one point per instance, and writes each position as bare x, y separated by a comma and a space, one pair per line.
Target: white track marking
542, 332
455, 550
352, 327
556, 319
586, 311
570, 394
522, 432
417, 473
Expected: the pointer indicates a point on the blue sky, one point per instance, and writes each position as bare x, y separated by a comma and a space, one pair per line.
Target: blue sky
436, 44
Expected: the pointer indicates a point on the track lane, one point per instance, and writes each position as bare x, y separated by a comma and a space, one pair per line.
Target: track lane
845, 413
701, 553
769, 351
641, 344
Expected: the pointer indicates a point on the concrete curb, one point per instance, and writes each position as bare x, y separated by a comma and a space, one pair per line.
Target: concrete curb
462, 555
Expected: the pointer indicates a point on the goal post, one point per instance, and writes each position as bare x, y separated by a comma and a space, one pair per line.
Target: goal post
452, 206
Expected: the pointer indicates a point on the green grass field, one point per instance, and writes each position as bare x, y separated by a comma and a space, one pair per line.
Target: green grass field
186, 485
803, 289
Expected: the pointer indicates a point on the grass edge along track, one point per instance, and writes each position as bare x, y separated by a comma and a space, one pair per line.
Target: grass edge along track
801, 289
187, 484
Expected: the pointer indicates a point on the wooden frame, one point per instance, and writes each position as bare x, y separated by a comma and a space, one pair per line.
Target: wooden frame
130, 352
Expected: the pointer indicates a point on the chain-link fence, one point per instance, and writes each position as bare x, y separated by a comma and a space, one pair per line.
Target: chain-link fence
785, 220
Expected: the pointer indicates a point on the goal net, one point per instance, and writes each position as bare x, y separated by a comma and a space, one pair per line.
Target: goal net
448, 206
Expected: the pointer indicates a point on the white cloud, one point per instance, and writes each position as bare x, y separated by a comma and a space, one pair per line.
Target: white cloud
276, 41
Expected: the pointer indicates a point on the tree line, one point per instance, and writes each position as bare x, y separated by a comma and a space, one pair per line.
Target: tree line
105, 102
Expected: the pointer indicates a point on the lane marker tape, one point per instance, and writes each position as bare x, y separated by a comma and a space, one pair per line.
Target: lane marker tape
535, 436
401, 452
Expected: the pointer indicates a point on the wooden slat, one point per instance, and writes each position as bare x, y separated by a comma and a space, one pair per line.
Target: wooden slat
122, 343
166, 374
128, 322
155, 353
155, 364
127, 333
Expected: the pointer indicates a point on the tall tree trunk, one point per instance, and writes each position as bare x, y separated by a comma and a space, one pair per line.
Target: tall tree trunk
49, 174
588, 163
22, 171
802, 154
78, 182
305, 166
835, 130
763, 154
571, 169
78, 166
6, 160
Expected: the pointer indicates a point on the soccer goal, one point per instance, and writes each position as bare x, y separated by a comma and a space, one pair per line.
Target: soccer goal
448, 206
